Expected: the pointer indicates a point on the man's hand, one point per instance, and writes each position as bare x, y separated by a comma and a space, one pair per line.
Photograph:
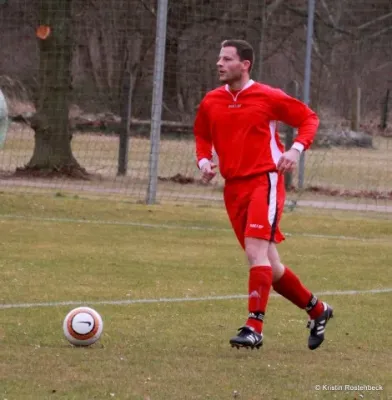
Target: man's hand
207, 171
288, 161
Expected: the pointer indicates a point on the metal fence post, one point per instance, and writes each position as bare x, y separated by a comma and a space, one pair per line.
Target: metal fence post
308, 73
292, 90
384, 111
156, 109
3, 119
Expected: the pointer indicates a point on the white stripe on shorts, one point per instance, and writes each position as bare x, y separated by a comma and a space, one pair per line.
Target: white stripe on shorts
273, 178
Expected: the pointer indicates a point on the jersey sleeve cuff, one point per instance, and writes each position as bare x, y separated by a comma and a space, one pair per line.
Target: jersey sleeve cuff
202, 162
298, 146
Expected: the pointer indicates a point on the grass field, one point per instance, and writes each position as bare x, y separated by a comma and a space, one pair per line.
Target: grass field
170, 267
356, 169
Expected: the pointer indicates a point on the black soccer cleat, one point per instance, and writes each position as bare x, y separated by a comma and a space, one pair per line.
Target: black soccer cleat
317, 327
248, 338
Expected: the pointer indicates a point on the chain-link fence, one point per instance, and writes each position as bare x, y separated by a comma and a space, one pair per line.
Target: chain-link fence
127, 76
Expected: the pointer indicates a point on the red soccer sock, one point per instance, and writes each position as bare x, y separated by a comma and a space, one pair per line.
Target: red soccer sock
290, 287
260, 282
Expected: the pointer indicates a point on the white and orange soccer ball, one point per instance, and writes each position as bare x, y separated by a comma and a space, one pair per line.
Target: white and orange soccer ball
82, 326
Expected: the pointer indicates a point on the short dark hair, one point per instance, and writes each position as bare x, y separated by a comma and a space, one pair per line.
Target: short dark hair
244, 49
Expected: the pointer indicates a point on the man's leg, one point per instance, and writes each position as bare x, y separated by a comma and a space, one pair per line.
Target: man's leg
255, 229
288, 285
259, 286
260, 281
237, 201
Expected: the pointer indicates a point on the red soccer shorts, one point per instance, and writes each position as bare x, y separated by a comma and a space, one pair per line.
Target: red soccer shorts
255, 206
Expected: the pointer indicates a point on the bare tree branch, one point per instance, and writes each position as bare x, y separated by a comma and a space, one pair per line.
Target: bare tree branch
148, 8
316, 48
304, 13
324, 4
272, 8
381, 32
280, 45
382, 66
373, 21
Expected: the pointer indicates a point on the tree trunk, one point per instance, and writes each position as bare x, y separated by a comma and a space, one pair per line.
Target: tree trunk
52, 150
171, 70
255, 18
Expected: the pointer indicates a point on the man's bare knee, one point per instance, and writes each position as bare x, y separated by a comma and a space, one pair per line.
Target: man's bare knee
276, 264
257, 251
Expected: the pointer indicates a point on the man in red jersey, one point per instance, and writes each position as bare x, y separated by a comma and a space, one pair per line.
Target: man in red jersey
239, 121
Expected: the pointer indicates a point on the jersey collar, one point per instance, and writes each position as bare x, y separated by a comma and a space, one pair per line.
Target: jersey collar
247, 85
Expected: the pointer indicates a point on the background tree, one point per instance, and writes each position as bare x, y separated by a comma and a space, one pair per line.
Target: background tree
52, 150
104, 50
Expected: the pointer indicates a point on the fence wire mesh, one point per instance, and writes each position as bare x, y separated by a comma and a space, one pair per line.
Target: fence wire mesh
96, 62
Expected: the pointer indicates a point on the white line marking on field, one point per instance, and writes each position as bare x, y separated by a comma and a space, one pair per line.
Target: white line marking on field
121, 223
177, 227
177, 300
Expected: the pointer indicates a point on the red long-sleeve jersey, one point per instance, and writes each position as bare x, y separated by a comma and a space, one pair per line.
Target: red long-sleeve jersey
242, 128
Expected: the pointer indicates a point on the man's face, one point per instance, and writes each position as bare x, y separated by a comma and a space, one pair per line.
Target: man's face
230, 67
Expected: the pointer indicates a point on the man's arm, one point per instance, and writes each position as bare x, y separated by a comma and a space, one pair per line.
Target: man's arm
298, 115
203, 144
203, 138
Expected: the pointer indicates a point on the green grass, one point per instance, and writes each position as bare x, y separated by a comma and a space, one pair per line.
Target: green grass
60, 249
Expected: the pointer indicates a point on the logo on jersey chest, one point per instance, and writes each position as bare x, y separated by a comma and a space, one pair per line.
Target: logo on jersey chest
235, 105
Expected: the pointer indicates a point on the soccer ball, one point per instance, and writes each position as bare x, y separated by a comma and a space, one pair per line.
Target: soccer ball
82, 326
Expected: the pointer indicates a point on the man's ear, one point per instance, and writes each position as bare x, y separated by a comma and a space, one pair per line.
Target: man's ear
246, 64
